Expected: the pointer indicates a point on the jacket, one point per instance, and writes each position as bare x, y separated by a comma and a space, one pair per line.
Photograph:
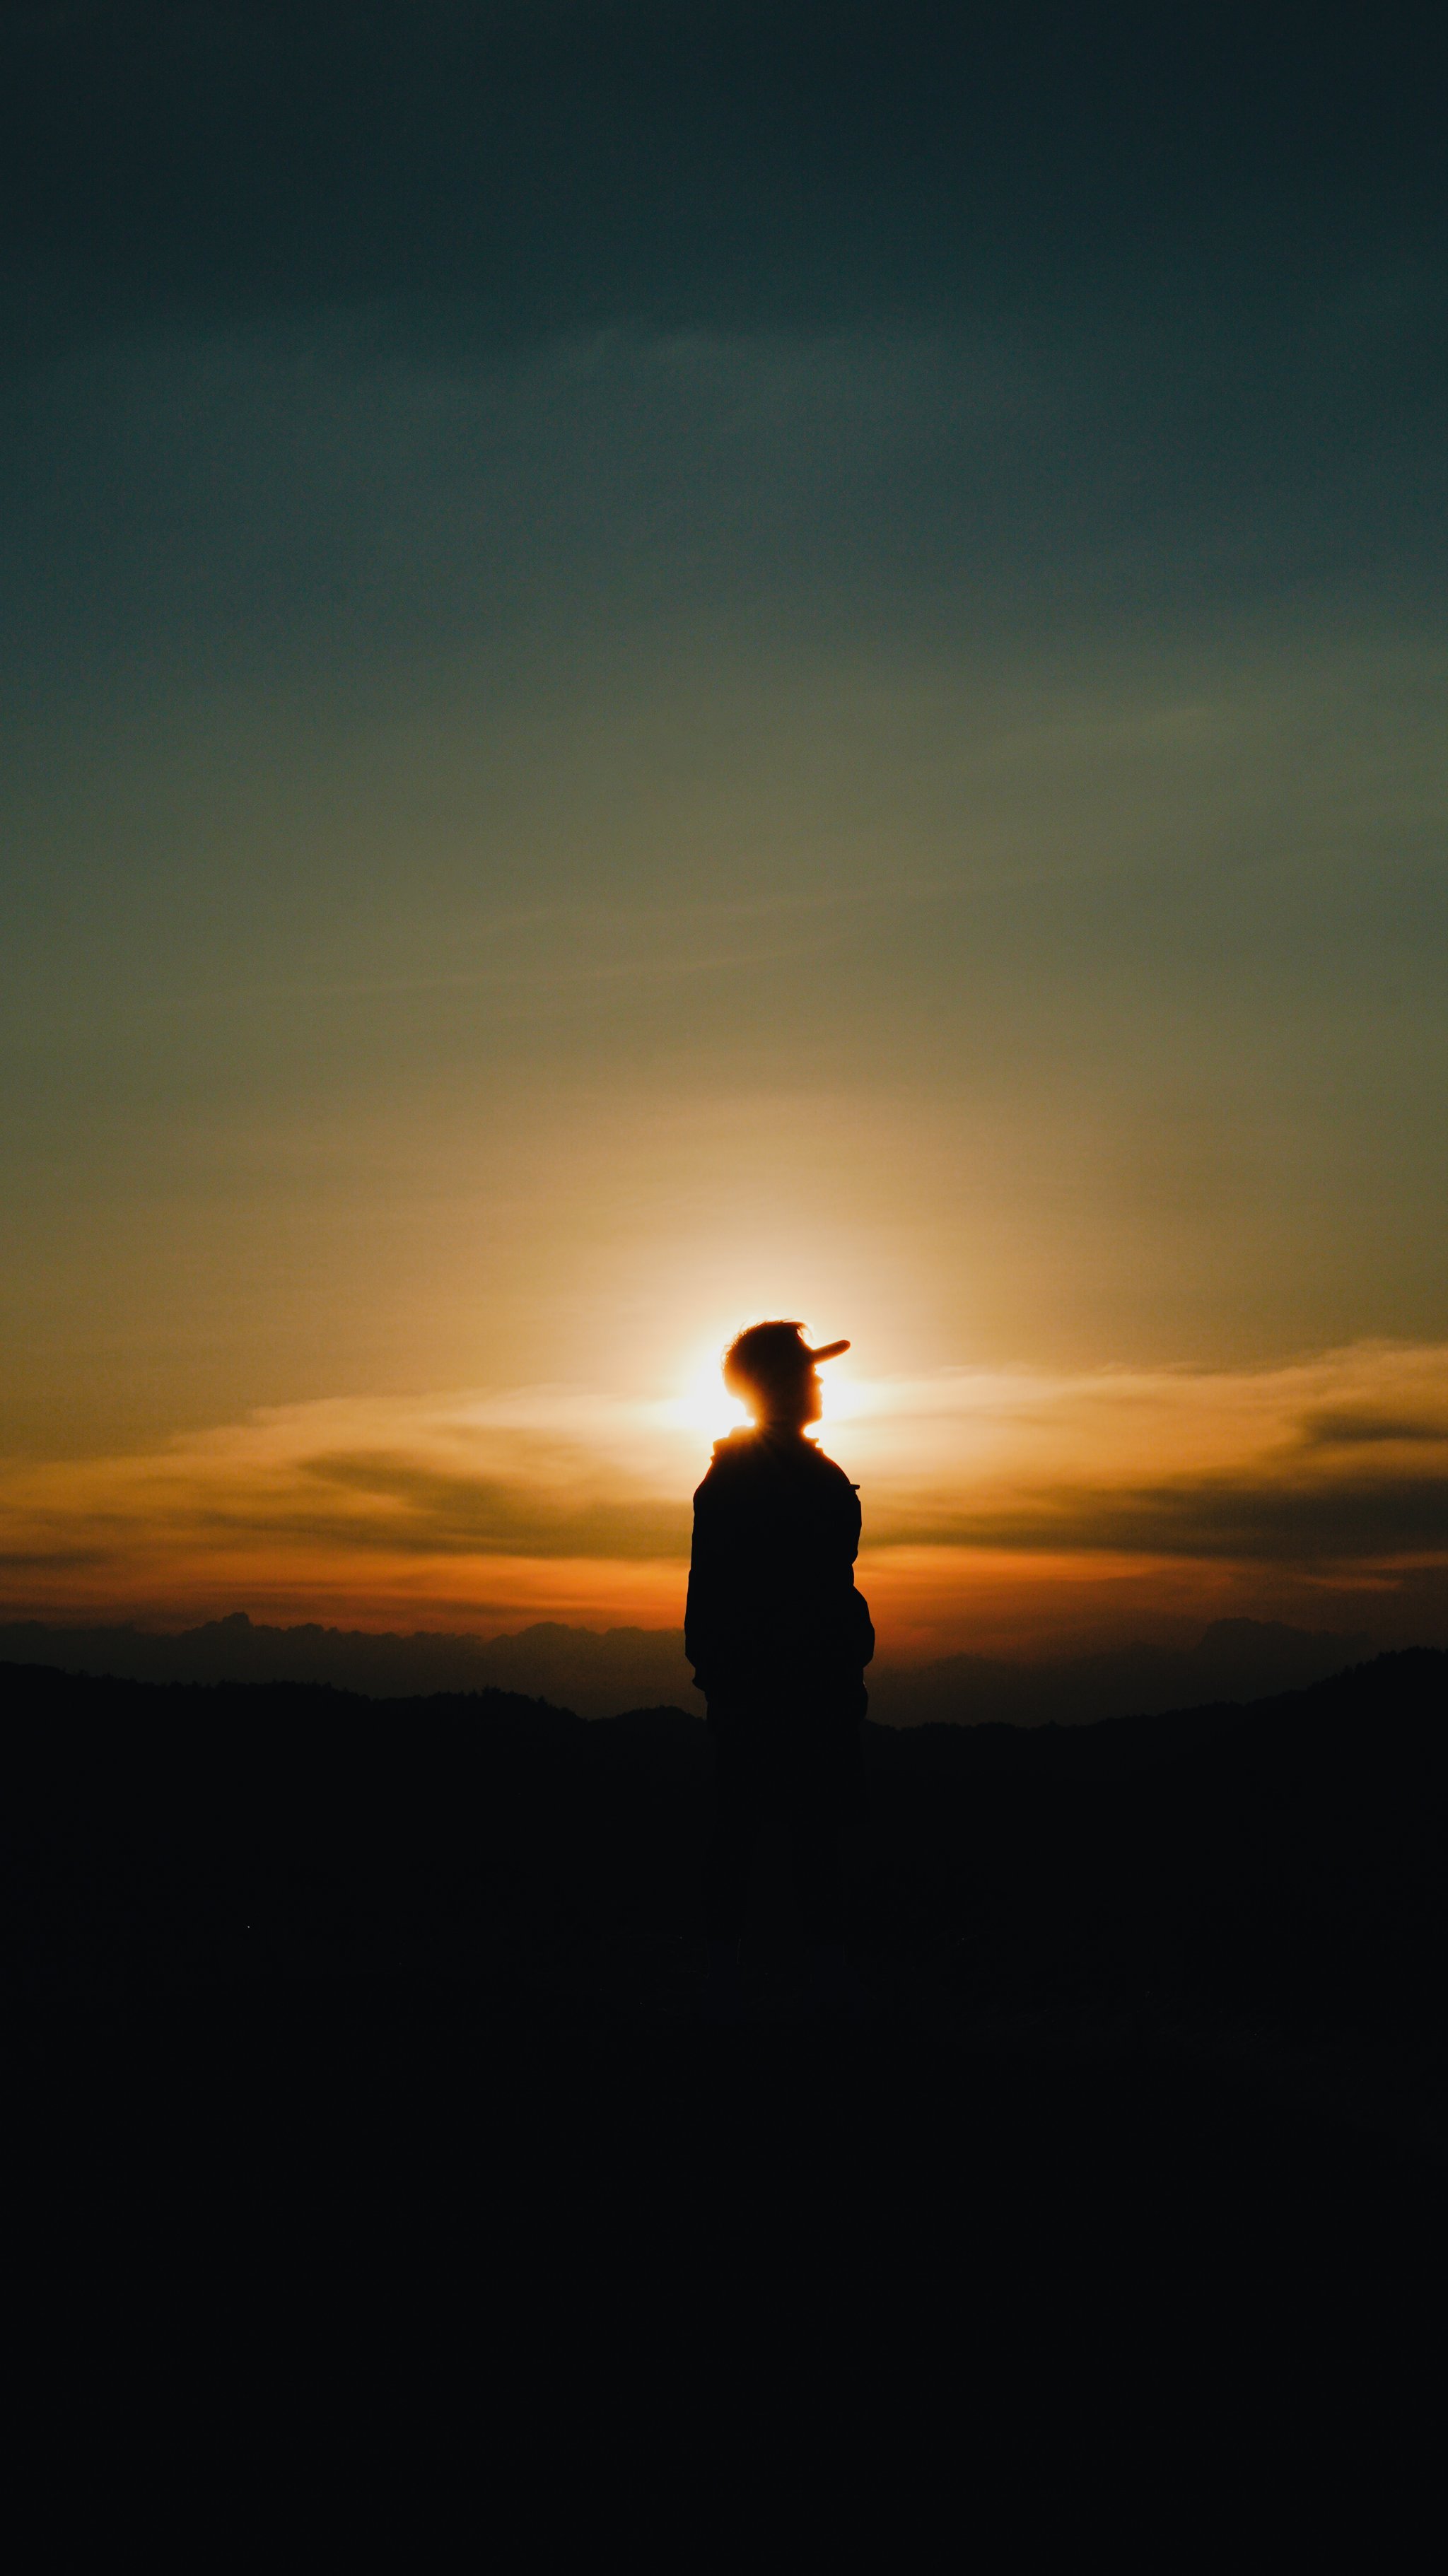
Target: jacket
772, 1600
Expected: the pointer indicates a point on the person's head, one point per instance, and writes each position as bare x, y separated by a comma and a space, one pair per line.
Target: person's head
772, 1369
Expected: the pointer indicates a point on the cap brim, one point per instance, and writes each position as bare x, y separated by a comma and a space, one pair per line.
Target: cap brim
829, 1350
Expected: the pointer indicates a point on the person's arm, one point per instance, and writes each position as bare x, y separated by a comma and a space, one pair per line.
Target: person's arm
863, 1639
864, 1642
701, 1606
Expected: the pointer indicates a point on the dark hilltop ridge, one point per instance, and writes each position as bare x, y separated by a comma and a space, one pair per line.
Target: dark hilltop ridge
601, 1674
393, 1999
1200, 1870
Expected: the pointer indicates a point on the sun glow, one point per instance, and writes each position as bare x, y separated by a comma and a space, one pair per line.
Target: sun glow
707, 1409
705, 1405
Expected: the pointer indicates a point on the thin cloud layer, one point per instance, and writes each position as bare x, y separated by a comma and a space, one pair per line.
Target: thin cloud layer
1015, 1484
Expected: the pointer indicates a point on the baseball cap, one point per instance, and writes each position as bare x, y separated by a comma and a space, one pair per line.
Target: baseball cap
774, 1350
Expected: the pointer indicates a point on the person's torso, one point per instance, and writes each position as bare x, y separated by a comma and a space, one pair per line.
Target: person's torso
777, 1526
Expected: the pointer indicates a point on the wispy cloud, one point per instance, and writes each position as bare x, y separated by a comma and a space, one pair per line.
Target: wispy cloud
1333, 1470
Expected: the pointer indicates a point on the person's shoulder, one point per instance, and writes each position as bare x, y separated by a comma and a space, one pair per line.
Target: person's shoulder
828, 1469
740, 1443
738, 1450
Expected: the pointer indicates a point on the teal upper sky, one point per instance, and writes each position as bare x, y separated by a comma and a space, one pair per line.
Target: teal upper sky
662, 663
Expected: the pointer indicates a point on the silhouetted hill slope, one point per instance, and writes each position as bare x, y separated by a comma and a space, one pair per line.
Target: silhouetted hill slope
392, 2000
1366, 1699
1291, 1852
1286, 1859
197, 1833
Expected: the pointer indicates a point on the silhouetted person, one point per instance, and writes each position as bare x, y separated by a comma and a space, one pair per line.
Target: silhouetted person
779, 1639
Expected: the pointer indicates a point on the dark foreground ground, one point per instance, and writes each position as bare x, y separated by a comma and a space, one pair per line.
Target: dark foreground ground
345, 2029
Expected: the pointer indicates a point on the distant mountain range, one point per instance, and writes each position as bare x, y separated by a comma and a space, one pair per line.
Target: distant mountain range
596, 1675
602, 1674
1234, 1659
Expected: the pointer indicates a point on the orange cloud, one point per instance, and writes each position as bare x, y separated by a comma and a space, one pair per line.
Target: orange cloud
1003, 1508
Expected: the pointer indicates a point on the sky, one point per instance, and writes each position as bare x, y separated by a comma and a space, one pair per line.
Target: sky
661, 664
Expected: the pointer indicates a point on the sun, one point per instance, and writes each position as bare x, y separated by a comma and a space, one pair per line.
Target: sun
705, 1408
704, 1404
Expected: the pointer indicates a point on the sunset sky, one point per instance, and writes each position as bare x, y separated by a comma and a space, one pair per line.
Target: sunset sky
671, 663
